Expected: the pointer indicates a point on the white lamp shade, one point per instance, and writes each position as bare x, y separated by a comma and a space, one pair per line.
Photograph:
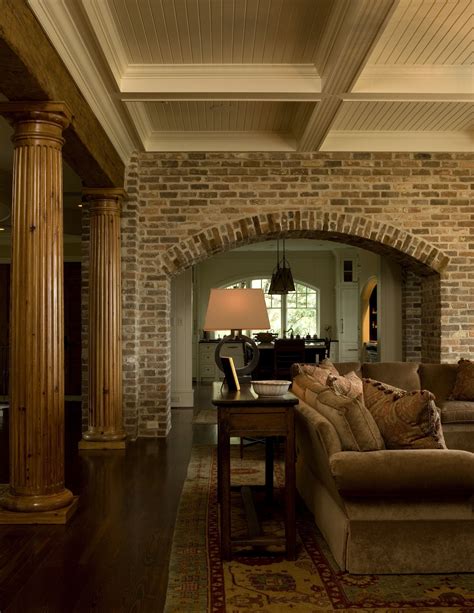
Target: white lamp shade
237, 309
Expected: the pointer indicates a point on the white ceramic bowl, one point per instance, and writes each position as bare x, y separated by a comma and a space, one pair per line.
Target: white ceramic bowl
270, 388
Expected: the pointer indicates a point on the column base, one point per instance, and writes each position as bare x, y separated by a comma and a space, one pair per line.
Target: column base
98, 445
59, 516
41, 503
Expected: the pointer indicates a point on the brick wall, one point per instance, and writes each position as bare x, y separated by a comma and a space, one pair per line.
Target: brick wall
182, 208
411, 316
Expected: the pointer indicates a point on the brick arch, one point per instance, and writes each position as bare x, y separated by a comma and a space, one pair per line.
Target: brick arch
148, 364
413, 252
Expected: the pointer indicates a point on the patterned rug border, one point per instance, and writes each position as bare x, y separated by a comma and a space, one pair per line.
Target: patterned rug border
203, 589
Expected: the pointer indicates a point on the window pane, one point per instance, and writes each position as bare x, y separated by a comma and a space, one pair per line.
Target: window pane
303, 321
312, 303
274, 315
301, 308
301, 301
291, 300
273, 301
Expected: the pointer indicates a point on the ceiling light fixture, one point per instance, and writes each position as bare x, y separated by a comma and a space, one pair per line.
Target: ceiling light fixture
282, 279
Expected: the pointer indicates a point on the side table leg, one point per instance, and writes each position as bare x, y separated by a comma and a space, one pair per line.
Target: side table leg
290, 493
225, 495
269, 469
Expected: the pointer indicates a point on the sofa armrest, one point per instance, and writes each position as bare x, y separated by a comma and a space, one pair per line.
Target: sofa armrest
403, 471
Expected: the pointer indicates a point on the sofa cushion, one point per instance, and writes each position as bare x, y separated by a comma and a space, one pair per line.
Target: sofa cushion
457, 411
407, 471
464, 385
345, 367
349, 385
302, 382
399, 374
406, 420
354, 424
439, 379
317, 372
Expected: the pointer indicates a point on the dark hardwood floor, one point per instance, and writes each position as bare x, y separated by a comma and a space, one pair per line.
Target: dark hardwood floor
113, 554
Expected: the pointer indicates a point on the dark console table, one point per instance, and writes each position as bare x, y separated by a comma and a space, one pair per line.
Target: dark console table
244, 414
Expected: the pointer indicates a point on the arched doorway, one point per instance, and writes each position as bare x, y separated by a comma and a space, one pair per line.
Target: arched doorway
369, 319
147, 334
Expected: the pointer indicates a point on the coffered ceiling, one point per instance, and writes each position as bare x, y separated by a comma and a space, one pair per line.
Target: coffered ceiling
271, 75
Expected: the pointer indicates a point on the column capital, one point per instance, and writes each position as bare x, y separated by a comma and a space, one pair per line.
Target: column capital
103, 199
103, 193
29, 110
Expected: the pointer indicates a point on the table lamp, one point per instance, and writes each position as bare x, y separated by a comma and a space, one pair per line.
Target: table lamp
237, 310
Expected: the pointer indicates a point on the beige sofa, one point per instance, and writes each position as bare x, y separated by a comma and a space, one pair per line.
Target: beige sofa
391, 511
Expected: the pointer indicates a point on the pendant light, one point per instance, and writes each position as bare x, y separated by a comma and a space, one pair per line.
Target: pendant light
282, 279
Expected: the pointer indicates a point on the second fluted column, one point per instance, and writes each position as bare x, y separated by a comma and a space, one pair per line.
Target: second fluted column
105, 422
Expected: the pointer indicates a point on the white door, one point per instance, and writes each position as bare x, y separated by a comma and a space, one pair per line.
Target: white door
349, 322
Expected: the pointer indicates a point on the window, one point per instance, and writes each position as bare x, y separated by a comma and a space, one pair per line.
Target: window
297, 311
348, 271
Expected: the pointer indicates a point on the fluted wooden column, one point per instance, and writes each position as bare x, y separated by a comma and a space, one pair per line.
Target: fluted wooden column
36, 328
105, 429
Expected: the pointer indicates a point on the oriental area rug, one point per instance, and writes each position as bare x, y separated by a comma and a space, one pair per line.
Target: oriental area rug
199, 582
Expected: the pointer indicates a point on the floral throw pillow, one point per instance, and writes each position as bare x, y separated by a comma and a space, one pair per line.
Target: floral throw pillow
406, 420
318, 372
464, 385
349, 385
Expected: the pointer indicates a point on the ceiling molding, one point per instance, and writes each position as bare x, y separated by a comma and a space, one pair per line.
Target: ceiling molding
406, 97
62, 27
140, 118
121, 54
353, 34
422, 140
420, 78
108, 35
319, 124
220, 97
286, 79
220, 141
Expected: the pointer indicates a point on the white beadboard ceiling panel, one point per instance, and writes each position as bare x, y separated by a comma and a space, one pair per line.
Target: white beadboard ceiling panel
427, 32
223, 116
271, 75
404, 116
220, 31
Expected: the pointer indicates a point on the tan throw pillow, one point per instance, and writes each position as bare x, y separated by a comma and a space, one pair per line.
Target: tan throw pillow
406, 420
326, 364
319, 375
354, 424
303, 382
349, 385
464, 384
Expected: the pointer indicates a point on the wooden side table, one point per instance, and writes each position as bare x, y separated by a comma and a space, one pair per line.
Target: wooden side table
243, 413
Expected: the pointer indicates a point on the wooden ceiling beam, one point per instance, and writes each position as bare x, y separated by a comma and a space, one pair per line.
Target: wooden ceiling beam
33, 70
